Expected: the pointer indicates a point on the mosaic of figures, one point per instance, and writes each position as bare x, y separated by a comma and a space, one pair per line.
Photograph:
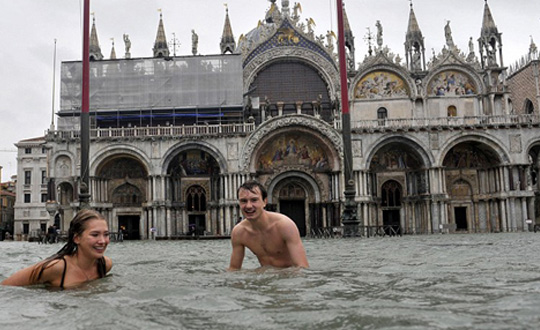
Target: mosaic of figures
451, 83
470, 156
395, 157
293, 149
380, 84
123, 168
194, 162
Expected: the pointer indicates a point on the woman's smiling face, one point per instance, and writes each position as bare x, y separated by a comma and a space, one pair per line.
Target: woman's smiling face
94, 239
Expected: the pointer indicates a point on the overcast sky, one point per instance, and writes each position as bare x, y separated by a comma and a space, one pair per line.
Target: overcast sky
29, 27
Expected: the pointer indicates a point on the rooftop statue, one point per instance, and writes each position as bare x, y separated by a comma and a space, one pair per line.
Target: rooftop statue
448, 36
379, 34
194, 42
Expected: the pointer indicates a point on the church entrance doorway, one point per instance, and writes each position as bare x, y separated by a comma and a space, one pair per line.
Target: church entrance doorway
391, 222
129, 224
292, 203
460, 216
295, 209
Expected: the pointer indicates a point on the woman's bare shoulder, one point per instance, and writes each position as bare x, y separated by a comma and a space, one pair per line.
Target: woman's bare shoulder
108, 263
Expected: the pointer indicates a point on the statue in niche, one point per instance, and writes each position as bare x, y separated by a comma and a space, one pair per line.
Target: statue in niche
194, 42
417, 60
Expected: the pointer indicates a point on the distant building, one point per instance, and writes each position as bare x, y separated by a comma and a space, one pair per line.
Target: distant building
436, 146
7, 203
32, 165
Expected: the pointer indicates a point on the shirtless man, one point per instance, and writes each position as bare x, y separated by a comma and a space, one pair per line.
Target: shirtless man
272, 237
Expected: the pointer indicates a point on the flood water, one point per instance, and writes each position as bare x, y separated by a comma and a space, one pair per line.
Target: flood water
468, 281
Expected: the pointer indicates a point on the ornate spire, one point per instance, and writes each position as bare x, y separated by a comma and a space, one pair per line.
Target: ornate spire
95, 50
488, 23
414, 44
349, 40
113, 52
227, 43
160, 46
490, 41
413, 30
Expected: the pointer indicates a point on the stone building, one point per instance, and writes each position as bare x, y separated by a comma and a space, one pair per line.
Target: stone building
7, 204
435, 144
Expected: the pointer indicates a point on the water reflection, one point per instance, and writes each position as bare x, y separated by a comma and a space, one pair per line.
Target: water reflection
411, 282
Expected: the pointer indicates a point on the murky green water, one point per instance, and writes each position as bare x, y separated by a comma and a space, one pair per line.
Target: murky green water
412, 282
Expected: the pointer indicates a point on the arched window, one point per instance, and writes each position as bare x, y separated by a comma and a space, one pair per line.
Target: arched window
382, 114
127, 194
391, 194
452, 111
196, 199
529, 107
292, 191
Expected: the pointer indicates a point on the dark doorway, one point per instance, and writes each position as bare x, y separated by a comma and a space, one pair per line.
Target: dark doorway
197, 224
460, 216
391, 222
129, 224
295, 209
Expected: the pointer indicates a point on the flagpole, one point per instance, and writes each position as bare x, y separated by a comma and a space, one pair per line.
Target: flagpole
84, 195
348, 217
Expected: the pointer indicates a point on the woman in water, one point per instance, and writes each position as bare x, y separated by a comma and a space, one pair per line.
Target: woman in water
81, 260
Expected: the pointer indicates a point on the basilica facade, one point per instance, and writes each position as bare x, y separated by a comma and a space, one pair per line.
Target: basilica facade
438, 144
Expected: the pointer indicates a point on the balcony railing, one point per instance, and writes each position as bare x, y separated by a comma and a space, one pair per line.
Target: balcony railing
171, 131
367, 125
448, 122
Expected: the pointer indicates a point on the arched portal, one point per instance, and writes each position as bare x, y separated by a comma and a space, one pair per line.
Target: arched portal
294, 194
461, 194
472, 179
292, 201
122, 181
193, 189
196, 208
391, 196
399, 179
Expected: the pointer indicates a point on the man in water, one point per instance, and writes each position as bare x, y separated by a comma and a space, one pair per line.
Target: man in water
272, 237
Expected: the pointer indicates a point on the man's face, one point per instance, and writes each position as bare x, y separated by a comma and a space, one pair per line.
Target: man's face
251, 203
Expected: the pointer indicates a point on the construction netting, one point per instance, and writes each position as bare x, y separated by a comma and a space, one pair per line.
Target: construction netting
154, 83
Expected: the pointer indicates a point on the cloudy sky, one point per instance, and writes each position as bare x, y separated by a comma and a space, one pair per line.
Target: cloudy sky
29, 28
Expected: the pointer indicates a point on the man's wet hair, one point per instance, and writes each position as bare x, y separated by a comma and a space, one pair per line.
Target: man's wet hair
251, 185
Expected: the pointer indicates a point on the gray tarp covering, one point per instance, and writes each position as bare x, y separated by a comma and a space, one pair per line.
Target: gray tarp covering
155, 83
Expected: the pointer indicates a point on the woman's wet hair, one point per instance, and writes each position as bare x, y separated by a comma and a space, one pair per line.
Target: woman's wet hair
76, 227
251, 185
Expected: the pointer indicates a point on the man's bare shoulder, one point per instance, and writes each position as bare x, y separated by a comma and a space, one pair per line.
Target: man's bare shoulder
240, 229
280, 219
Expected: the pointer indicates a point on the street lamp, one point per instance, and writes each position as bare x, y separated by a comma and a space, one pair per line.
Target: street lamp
52, 208
348, 218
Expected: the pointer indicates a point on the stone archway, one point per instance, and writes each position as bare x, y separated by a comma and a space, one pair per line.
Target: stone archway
122, 181
294, 194
472, 175
194, 190
398, 171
